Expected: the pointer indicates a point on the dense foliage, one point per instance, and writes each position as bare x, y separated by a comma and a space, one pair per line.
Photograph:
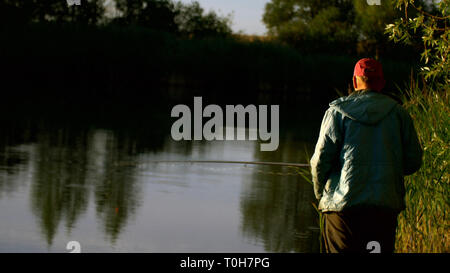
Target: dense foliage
337, 26
163, 15
433, 28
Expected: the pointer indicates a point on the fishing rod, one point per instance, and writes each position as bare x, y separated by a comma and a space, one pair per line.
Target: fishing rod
300, 165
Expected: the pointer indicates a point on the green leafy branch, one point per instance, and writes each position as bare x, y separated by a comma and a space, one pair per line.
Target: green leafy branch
434, 33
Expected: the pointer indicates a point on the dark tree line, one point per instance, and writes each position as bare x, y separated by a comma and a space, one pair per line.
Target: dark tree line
18, 13
189, 20
121, 51
350, 26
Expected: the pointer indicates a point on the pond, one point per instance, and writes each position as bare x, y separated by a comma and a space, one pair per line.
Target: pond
110, 188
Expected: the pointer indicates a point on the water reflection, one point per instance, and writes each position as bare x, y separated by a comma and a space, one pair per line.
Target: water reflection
84, 181
11, 161
68, 168
116, 190
277, 204
14, 157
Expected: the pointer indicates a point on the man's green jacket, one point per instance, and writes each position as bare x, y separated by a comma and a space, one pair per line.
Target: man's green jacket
367, 143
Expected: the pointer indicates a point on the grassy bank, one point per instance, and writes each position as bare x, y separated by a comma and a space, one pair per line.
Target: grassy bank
424, 225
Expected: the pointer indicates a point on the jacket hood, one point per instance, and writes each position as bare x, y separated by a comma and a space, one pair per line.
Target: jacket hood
366, 106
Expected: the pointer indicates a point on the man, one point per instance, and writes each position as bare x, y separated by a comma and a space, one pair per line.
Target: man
367, 143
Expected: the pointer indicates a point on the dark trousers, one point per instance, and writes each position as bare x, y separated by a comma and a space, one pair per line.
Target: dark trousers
352, 230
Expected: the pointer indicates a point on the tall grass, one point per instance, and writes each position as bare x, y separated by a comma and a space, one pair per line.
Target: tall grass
306, 175
424, 225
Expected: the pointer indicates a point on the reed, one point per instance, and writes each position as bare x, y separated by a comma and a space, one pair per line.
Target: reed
424, 225
306, 175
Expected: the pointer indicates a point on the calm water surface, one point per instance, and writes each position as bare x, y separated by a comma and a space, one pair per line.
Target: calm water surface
101, 187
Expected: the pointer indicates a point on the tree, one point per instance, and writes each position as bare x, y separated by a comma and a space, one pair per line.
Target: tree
431, 23
156, 14
371, 21
14, 12
318, 24
193, 22
186, 19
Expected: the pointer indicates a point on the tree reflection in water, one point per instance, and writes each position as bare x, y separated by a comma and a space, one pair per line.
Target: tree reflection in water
78, 171
71, 166
277, 205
